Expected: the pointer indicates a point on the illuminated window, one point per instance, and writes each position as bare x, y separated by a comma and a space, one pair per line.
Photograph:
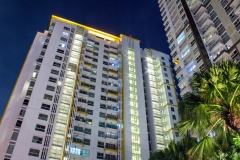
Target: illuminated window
62, 45
185, 51
190, 67
180, 37
65, 34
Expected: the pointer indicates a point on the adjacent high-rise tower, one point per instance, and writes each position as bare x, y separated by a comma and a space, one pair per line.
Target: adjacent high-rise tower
83, 93
200, 33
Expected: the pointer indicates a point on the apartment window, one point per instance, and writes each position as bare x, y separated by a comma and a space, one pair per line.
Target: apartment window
174, 54
100, 155
100, 144
187, 28
29, 92
25, 101
101, 134
105, 63
60, 51
181, 11
193, 42
63, 39
95, 53
101, 124
43, 117
62, 45
104, 76
10, 148
195, 50
65, 33
92, 79
170, 41
90, 103
18, 124
171, 101
91, 94
216, 20
167, 81
174, 117
50, 88
40, 128
172, 109
103, 98
32, 83
37, 67
66, 28
42, 53
178, 69
198, 58
162, 58
94, 66
58, 57
176, 134
48, 97
103, 106
88, 121
166, 75
190, 35
90, 112
34, 152
168, 87
237, 22
105, 57
56, 64
45, 106
14, 136
87, 131
183, 16
102, 115
169, 94
37, 140
51, 79
104, 69
86, 141
22, 112
92, 87
53, 71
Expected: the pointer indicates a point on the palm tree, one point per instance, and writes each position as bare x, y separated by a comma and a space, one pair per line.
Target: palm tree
175, 151
211, 112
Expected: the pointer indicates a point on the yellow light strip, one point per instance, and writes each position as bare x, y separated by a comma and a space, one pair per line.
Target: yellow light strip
91, 30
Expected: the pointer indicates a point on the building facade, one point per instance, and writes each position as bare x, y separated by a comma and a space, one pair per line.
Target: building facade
83, 93
200, 33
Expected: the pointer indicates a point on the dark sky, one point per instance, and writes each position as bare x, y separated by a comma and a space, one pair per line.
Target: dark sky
21, 19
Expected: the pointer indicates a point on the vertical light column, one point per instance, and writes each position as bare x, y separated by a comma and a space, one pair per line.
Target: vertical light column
65, 107
136, 150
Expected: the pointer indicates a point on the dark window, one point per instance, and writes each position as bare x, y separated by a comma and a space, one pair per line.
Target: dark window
106, 46
101, 144
37, 140
56, 64
33, 152
22, 112
102, 115
174, 117
10, 148
168, 87
53, 71
101, 134
165, 69
172, 109
58, 57
87, 131
171, 102
37, 67
14, 136
45, 106
51, 79
48, 97
43, 117
32, 83
26, 101
18, 124
86, 141
60, 51
40, 128
66, 28
50, 88
63, 39
169, 94
100, 155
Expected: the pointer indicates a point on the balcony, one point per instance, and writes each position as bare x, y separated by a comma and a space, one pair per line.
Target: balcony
84, 85
112, 108
215, 45
110, 147
236, 6
111, 117
111, 126
211, 37
81, 110
80, 120
200, 11
206, 22
111, 136
194, 5
209, 29
112, 93
78, 140
202, 17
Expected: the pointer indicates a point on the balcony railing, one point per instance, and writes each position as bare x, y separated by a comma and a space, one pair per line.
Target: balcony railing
112, 136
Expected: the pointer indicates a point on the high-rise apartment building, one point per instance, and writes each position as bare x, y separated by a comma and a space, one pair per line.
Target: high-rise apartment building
200, 33
85, 94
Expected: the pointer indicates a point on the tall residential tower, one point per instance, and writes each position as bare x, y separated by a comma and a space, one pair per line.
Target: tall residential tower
83, 93
200, 33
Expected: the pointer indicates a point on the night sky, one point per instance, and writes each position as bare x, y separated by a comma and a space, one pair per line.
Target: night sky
21, 19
